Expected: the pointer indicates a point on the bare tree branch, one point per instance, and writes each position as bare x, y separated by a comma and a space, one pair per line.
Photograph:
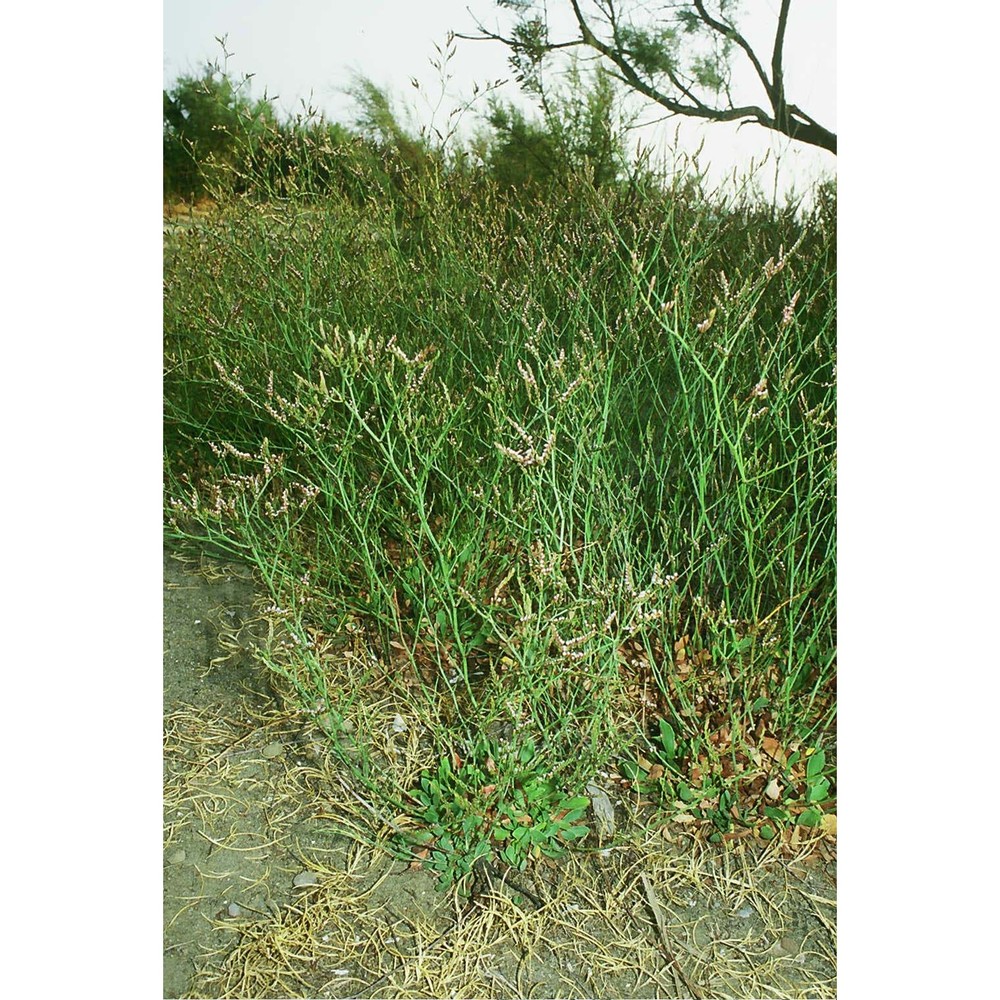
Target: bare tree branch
777, 73
730, 32
637, 74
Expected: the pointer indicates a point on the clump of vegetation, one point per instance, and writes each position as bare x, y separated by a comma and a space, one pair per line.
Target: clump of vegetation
495, 804
542, 488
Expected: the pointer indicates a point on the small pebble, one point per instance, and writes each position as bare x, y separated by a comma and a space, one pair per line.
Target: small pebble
234, 910
305, 878
177, 857
744, 912
273, 749
785, 946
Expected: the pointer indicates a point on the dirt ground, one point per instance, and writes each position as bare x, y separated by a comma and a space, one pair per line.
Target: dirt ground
265, 895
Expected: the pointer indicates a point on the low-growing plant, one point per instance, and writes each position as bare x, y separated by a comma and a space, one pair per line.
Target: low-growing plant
686, 778
498, 804
809, 785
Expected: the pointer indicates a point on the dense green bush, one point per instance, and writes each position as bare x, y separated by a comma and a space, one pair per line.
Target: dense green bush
533, 451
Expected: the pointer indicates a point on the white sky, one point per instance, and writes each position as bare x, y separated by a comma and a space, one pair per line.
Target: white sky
308, 49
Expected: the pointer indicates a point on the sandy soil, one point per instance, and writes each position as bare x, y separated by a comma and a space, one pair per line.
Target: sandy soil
264, 897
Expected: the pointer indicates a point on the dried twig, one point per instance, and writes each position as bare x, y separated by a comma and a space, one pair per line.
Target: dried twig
661, 926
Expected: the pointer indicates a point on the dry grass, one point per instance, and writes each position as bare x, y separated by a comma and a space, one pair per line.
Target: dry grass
647, 918
174, 210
